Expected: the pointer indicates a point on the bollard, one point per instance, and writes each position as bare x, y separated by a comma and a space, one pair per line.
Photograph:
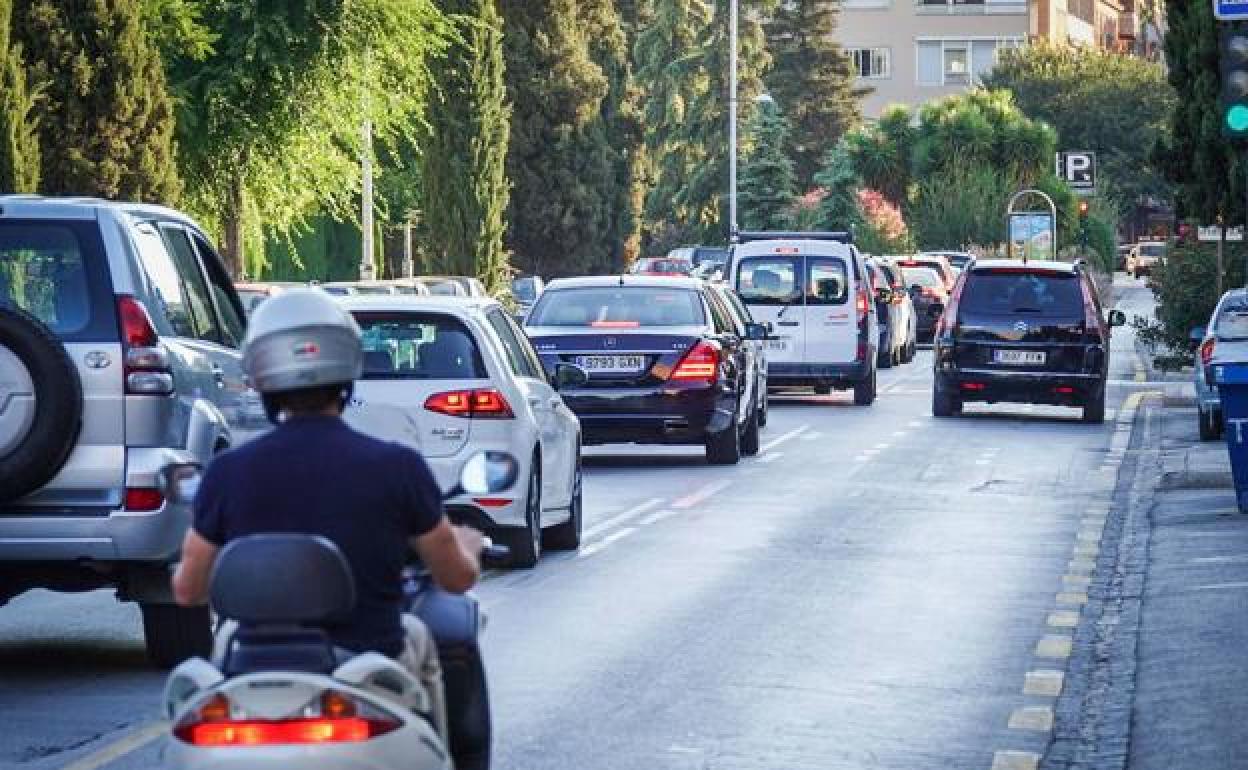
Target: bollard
1232, 381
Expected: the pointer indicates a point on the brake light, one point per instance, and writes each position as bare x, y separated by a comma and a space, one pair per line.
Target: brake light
615, 324
862, 304
483, 403
1207, 349
287, 732
700, 364
492, 502
146, 366
1091, 318
141, 499
976, 386
1064, 390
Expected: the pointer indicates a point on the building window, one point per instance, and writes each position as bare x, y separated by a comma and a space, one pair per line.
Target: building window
957, 65
957, 62
870, 62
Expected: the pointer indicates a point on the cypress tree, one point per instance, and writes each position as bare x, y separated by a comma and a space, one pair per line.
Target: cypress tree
558, 210
811, 80
767, 184
106, 121
464, 180
19, 140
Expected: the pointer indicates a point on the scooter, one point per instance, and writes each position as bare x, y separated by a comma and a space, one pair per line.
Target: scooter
278, 694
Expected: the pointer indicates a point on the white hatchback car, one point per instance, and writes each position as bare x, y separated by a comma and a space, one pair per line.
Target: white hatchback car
467, 379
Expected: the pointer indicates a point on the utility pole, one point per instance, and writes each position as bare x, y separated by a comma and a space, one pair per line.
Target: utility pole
367, 270
732, 118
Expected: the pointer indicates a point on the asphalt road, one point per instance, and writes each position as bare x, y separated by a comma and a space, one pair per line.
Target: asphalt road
868, 592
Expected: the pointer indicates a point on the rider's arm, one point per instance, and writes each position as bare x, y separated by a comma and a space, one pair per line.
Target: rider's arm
450, 555
190, 581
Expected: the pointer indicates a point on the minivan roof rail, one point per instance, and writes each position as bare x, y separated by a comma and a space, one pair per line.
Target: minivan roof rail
745, 236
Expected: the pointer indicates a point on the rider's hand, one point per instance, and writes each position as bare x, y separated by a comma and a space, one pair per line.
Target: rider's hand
471, 540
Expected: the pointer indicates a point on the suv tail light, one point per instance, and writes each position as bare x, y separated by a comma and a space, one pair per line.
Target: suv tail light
146, 367
1091, 316
1207, 349
335, 718
481, 404
700, 364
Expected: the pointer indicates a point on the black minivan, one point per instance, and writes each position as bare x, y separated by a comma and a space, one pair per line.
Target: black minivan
1028, 332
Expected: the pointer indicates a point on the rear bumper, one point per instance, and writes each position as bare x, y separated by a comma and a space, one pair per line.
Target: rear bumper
991, 385
654, 415
834, 375
466, 510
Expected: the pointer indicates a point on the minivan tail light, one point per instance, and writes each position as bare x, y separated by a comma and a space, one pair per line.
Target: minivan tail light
145, 364
700, 364
1207, 349
482, 403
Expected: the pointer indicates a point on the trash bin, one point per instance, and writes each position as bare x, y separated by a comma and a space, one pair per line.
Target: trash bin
1232, 381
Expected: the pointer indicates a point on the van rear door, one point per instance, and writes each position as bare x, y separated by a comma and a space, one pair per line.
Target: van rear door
771, 286
830, 318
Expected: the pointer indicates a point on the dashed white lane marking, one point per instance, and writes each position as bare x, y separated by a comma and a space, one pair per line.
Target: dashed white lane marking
702, 495
1239, 559
1063, 619
778, 440
1044, 682
771, 458
1038, 718
656, 517
1054, 646
1219, 586
1015, 760
882, 446
620, 518
814, 435
915, 424
1072, 597
127, 744
619, 534
899, 434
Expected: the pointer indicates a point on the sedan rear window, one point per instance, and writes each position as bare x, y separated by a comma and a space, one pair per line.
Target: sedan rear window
418, 346
922, 276
1006, 291
618, 307
46, 270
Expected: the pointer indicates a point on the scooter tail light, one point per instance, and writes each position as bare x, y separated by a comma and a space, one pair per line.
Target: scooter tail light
332, 718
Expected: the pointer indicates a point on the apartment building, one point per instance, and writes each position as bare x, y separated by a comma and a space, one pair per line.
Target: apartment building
912, 51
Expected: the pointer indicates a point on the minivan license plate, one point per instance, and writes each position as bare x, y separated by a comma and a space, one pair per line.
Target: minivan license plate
1019, 357
611, 364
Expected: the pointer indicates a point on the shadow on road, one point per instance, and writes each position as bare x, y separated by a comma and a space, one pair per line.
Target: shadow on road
28, 661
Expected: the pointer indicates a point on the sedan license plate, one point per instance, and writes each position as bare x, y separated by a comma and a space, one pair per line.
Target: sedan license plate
611, 364
1019, 357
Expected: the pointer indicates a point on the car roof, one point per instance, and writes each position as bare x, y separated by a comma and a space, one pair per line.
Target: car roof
47, 207
628, 279
1039, 264
400, 303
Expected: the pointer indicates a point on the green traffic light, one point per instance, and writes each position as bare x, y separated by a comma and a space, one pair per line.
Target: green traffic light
1237, 118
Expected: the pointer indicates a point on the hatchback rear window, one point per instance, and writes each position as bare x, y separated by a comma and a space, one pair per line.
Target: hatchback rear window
619, 307
1232, 321
1007, 291
56, 272
418, 346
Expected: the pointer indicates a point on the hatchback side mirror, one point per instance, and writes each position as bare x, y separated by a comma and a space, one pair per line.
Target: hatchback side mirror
570, 376
756, 332
1117, 318
1197, 334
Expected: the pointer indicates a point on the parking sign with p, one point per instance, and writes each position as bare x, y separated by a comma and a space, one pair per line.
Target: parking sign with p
1078, 169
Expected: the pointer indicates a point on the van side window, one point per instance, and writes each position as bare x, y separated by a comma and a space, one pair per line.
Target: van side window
770, 280
232, 324
182, 300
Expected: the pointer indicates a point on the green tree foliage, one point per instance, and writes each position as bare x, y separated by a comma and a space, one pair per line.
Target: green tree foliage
105, 118
1114, 104
19, 138
881, 155
464, 182
811, 80
839, 182
767, 183
557, 161
270, 119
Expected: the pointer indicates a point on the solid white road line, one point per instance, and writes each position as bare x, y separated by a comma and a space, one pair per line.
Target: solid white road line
620, 518
619, 534
778, 440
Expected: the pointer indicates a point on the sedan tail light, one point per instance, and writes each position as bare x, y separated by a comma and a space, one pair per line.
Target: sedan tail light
1207, 350
482, 404
700, 364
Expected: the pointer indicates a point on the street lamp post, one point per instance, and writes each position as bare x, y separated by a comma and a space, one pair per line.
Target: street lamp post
732, 118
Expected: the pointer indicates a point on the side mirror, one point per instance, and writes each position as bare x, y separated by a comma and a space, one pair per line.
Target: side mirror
488, 473
570, 376
180, 482
1117, 318
756, 332
1197, 334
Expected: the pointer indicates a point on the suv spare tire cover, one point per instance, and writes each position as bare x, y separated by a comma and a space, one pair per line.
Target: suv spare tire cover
40, 404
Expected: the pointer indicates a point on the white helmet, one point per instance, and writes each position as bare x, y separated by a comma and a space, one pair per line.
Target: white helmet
301, 339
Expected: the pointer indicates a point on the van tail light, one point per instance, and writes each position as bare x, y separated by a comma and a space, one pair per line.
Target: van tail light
333, 718
481, 404
700, 364
146, 362
863, 305
1207, 349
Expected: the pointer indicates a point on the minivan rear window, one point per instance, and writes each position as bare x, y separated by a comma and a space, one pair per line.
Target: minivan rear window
56, 272
1009, 291
618, 307
418, 346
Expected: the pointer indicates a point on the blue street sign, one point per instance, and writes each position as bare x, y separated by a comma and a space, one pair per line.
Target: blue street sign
1231, 10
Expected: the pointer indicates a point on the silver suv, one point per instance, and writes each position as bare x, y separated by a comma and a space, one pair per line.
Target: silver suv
119, 362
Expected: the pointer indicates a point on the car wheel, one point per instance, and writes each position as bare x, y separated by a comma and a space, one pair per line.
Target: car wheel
175, 633
762, 410
944, 403
566, 536
749, 439
885, 359
1209, 425
1094, 409
525, 543
823, 390
724, 447
864, 391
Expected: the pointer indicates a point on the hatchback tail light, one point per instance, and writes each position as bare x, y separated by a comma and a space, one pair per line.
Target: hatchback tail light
482, 404
1207, 350
700, 364
146, 366
333, 718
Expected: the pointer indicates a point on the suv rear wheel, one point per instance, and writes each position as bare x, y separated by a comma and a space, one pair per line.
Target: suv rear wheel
175, 633
40, 404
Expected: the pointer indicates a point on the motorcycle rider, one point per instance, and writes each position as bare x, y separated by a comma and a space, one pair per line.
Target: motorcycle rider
313, 474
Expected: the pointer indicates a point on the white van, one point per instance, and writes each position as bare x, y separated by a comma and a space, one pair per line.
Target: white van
814, 290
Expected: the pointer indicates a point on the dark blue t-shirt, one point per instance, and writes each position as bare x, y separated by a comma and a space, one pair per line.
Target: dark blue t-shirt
316, 475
